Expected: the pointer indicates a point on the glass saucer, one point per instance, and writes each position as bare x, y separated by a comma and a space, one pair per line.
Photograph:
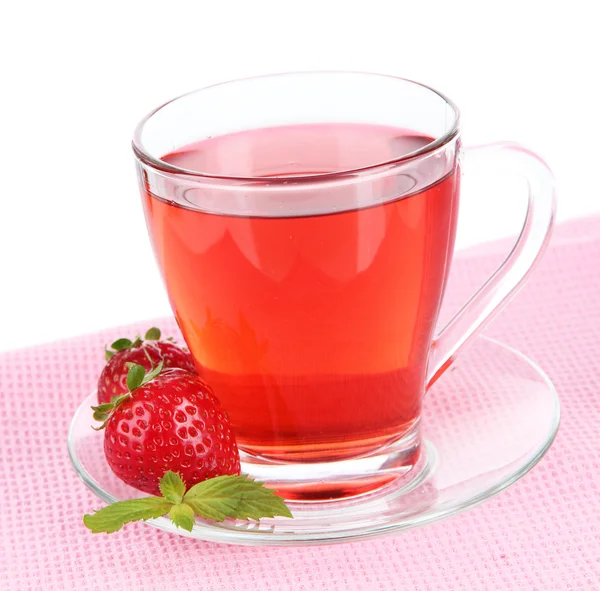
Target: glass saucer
486, 422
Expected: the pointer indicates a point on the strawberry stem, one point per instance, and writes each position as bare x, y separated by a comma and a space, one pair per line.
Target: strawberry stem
136, 377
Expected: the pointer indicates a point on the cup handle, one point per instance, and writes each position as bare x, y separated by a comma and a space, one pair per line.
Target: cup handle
504, 283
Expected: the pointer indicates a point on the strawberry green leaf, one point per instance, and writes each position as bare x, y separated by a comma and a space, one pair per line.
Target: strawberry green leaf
138, 341
104, 411
153, 372
107, 354
152, 334
234, 496
135, 377
118, 399
113, 517
121, 344
100, 416
105, 407
182, 516
172, 487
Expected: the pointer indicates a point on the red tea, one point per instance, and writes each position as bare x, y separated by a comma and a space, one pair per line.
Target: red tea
313, 330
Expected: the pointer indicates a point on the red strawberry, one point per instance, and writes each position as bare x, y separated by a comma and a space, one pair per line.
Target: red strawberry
147, 353
168, 421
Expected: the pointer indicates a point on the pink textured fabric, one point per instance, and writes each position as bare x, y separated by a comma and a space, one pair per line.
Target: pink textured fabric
541, 534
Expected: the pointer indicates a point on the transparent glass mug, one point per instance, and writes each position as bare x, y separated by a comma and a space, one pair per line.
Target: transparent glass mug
304, 226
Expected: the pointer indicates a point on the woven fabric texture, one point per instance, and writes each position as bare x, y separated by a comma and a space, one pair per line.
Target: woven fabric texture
541, 534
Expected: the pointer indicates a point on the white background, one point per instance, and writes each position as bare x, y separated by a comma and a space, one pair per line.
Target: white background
77, 76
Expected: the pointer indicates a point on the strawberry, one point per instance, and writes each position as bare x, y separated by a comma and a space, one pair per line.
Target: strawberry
147, 353
167, 421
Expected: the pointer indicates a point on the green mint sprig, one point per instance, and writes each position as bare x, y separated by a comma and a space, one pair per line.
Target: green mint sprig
216, 499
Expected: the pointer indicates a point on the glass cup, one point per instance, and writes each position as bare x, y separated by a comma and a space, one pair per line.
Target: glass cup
304, 226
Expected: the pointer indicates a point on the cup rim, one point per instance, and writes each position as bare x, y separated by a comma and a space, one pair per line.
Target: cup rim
165, 167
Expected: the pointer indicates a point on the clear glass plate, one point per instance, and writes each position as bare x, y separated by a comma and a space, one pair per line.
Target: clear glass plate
487, 421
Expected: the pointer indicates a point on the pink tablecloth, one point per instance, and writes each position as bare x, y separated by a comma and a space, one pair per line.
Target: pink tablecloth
543, 533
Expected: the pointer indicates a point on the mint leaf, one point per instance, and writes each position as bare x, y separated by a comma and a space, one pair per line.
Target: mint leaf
234, 496
217, 499
215, 509
113, 517
152, 334
121, 344
172, 487
135, 377
182, 516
